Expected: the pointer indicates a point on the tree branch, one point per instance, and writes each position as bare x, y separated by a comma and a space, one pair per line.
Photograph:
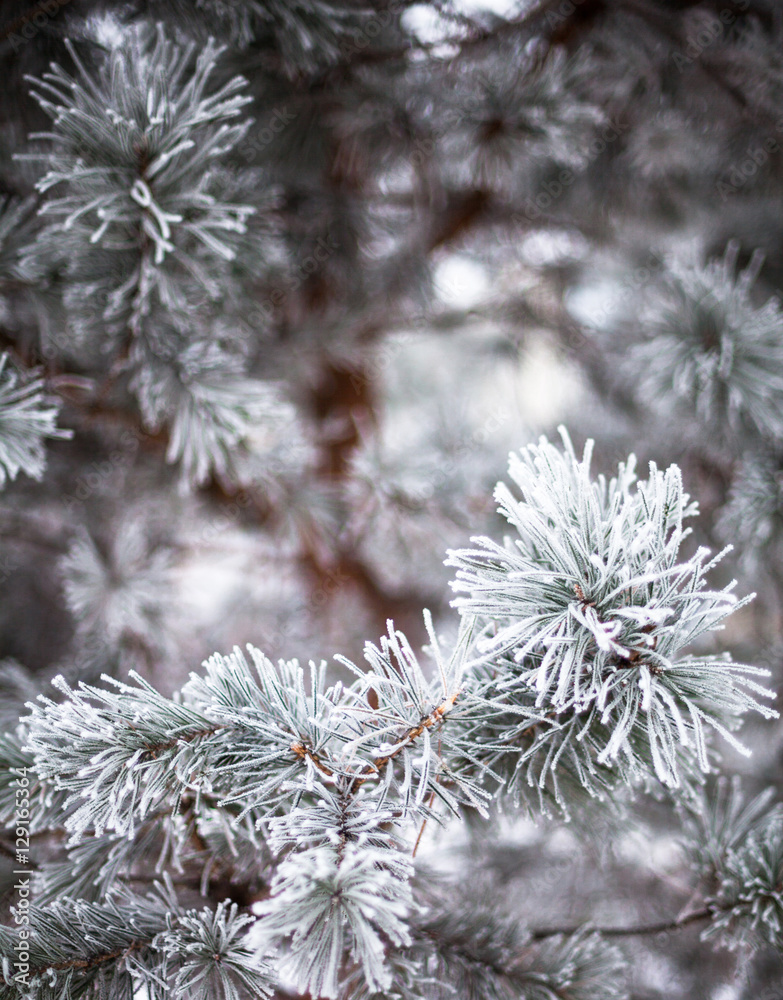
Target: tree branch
706, 913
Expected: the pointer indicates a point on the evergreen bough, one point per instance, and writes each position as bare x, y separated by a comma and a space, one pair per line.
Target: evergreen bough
269, 827
27, 419
573, 658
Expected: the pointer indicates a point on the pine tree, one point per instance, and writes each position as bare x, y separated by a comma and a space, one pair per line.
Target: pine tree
281, 286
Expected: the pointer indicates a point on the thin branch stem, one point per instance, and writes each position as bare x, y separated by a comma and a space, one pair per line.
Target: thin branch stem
375, 769
187, 738
706, 913
90, 963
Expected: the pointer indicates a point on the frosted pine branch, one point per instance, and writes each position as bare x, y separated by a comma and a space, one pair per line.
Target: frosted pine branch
589, 612
27, 418
572, 672
77, 948
709, 353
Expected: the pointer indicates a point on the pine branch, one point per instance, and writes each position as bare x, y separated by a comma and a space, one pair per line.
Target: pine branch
435, 718
706, 913
92, 962
27, 418
585, 616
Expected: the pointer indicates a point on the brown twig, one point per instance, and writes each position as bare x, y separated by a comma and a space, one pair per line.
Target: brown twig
374, 770
90, 963
667, 925
305, 753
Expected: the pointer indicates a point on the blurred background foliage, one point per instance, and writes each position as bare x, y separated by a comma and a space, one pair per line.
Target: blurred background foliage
470, 222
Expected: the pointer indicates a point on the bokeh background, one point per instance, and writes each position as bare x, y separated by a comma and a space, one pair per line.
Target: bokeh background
474, 222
